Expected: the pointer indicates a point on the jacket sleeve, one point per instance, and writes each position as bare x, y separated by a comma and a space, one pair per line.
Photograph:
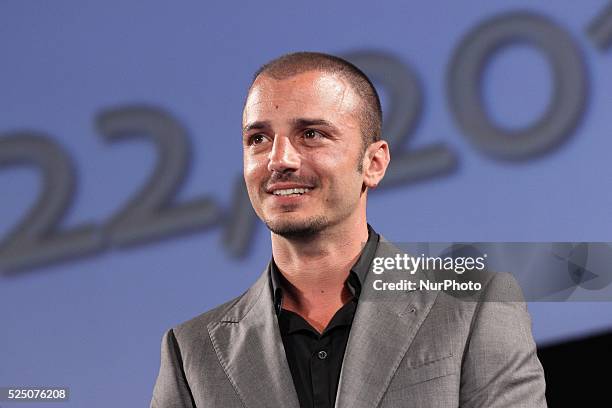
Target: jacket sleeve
500, 367
171, 388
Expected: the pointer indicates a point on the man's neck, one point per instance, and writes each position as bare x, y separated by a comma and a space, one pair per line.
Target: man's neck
314, 270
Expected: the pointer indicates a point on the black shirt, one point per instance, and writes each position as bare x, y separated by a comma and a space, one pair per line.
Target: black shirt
315, 359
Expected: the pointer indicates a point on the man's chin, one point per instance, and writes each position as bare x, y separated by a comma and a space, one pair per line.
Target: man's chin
294, 229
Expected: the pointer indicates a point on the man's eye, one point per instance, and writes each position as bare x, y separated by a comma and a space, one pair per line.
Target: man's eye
256, 139
311, 134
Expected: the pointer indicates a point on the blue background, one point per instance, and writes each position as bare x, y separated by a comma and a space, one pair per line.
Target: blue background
94, 324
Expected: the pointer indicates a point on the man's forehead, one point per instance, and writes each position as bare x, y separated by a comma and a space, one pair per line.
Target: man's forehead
308, 91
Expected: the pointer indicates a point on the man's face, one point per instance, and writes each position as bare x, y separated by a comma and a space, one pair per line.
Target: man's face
302, 150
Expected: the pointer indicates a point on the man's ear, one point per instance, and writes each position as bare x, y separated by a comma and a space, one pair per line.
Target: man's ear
375, 162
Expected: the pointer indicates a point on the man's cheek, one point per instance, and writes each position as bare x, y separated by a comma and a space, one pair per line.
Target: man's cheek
250, 167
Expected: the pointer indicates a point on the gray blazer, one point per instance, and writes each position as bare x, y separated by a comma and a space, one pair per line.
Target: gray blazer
419, 348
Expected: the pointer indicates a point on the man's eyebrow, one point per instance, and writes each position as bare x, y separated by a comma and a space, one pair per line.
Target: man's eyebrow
256, 126
303, 122
297, 123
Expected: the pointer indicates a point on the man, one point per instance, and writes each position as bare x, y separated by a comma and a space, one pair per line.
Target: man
312, 332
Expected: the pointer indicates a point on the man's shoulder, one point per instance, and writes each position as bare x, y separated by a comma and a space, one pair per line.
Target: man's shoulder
231, 311
200, 322
481, 286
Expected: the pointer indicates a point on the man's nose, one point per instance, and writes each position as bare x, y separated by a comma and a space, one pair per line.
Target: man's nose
283, 156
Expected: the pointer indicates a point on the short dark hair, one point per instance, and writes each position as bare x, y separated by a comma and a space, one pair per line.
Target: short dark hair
292, 64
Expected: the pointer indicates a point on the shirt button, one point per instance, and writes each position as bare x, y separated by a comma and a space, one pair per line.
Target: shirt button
322, 355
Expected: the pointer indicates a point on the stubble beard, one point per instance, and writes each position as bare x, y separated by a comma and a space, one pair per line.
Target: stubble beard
301, 230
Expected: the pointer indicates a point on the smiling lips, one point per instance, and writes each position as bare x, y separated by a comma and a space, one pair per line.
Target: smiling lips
290, 191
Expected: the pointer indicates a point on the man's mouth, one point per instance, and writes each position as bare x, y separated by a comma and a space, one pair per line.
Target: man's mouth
288, 192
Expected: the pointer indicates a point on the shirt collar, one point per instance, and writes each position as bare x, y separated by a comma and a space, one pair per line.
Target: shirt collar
354, 281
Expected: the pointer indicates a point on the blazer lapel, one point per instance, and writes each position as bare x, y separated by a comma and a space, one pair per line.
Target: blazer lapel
384, 326
248, 344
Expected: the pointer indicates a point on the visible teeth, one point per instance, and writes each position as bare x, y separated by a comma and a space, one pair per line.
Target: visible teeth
290, 191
